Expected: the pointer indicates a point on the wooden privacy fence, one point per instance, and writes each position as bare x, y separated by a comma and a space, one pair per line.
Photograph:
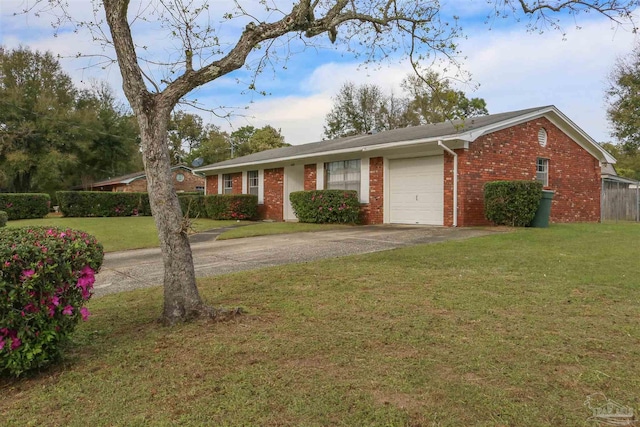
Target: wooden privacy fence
620, 202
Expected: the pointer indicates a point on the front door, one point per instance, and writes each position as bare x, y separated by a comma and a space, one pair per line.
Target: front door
293, 181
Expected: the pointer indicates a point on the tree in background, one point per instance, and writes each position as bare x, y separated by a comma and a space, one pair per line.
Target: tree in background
265, 138
113, 148
53, 136
628, 164
186, 133
357, 110
428, 99
623, 97
214, 147
431, 99
257, 34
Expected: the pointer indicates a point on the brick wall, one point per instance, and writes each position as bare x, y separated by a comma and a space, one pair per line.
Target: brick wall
310, 177
273, 195
137, 186
189, 183
448, 190
212, 184
373, 212
511, 154
236, 183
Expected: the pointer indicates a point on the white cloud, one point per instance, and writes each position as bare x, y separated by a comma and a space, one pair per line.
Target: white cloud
515, 70
521, 70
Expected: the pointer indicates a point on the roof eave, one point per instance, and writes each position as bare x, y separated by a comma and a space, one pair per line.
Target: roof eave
588, 144
550, 112
387, 145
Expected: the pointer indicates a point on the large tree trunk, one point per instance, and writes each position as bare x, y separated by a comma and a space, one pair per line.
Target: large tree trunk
182, 301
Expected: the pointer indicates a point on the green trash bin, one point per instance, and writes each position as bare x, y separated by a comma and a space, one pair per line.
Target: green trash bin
544, 210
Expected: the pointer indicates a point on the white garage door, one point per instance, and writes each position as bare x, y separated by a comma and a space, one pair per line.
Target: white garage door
416, 189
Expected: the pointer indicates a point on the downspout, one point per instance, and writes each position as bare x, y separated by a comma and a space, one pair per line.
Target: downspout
455, 181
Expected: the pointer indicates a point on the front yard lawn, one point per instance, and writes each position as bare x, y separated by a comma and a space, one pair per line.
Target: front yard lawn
119, 233
512, 329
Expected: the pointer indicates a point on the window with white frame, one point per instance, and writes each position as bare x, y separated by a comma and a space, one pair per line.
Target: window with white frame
252, 184
542, 171
343, 175
227, 184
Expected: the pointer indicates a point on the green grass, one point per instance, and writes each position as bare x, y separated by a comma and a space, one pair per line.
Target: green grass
512, 329
269, 228
117, 234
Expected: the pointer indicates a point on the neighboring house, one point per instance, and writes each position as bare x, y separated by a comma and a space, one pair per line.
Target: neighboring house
431, 174
184, 179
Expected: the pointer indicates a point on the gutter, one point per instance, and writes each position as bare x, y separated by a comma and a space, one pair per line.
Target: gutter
455, 181
333, 152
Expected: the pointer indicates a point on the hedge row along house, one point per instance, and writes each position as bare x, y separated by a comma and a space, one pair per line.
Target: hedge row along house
432, 174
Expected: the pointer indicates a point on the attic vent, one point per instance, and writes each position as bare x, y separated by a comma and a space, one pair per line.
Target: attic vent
542, 137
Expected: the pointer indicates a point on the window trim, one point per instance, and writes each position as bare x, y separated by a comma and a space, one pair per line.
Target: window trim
227, 179
542, 171
256, 178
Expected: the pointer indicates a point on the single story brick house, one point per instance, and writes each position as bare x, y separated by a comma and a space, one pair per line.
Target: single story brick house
432, 174
184, 180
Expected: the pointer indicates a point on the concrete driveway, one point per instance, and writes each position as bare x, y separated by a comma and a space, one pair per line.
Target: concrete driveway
127, 270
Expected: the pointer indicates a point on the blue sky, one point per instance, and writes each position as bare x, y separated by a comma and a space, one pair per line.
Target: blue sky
510, 67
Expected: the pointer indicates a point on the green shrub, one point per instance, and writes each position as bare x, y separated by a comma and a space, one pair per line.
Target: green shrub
102, 203
46, 277
25, 205
192, 205
511, 203
231, 206
326, 206
3, 218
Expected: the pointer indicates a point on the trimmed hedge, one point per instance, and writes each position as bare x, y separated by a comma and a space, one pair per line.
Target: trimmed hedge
326, 206
46, 278
231, 206
25, 205
102, 203
192, 205
3, 218
511, 203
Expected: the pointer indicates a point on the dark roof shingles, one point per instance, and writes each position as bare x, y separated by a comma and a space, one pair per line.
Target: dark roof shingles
396, 135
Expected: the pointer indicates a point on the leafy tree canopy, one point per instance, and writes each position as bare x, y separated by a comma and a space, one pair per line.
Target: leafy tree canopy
265, 138
428, 99
53, 135
628, 163
623, 96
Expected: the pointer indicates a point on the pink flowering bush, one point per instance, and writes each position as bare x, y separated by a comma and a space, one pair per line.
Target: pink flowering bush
46, 278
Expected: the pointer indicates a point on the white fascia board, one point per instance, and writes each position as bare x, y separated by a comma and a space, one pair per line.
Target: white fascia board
399, 144
279, 160
282, 160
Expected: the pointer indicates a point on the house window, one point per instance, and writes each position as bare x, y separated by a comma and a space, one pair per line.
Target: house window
343, 175
542, 171
252, 177
227, 184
